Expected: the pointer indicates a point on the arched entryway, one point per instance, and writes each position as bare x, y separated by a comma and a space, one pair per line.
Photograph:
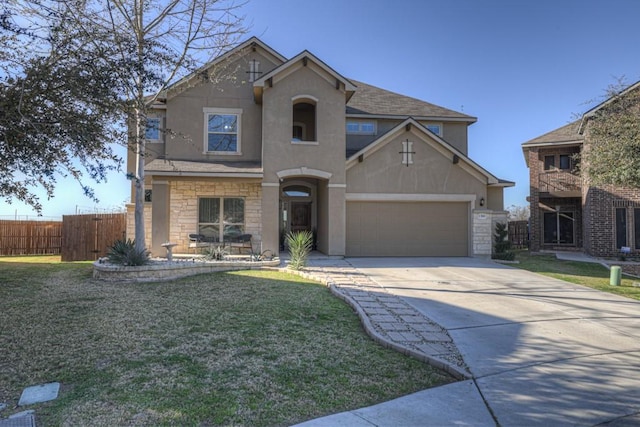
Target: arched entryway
298, 207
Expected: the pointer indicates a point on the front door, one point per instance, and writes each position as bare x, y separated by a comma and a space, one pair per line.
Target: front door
300, 216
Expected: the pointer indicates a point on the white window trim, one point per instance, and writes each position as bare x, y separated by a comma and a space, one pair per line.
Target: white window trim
359, 131
229, 111
160, 127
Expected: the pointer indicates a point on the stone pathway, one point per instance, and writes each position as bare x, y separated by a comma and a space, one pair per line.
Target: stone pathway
388, 319
30, 395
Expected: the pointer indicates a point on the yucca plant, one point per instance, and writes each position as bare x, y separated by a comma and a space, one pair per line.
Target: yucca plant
300, 244
124, 252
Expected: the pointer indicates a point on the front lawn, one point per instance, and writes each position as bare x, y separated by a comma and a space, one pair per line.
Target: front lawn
593, 275
245, 348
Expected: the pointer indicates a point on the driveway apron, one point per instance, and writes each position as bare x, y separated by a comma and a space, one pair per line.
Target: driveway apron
541, 351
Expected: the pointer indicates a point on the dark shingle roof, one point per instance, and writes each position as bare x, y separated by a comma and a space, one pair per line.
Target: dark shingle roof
564, 134
380, 102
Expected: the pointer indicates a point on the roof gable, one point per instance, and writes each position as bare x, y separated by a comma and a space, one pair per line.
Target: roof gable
302, 59
253, 43
435, 141
370, 100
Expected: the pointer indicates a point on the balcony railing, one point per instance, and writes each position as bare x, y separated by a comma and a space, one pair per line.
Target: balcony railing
558, 182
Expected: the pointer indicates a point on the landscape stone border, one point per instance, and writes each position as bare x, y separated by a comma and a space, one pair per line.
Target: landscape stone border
158, 270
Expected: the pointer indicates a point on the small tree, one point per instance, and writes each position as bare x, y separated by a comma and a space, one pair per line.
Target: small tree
501, 244
612, 150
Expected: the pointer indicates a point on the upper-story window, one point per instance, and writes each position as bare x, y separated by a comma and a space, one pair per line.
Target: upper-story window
304, 119
565, 161
222, 130
435, 128
361, 127
549, 162
152, 129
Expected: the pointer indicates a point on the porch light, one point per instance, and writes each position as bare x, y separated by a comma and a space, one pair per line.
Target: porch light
482, 201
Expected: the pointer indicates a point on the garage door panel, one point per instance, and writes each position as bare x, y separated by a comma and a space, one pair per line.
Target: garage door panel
407, 229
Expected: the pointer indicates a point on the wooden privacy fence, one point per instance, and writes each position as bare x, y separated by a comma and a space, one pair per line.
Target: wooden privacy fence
87, 237
519, 234
30, 237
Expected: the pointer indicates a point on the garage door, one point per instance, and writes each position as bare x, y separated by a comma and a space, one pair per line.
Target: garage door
407, 229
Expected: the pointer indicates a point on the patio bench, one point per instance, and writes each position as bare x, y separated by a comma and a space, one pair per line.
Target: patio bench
240, 242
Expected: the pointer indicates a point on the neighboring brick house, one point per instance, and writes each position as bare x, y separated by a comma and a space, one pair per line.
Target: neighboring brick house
290, 144
567, 212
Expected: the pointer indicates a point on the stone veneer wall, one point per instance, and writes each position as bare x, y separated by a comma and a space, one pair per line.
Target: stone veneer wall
131, 223
184, 208
484, 223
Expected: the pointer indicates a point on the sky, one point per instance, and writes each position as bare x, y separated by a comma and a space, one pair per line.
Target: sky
523, 68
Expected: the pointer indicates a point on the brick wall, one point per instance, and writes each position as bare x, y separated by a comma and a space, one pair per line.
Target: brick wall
600, 226
538, 203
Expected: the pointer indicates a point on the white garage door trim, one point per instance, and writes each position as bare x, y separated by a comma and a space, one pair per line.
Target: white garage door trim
395, 197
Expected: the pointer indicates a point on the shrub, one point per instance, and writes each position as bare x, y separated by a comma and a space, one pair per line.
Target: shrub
300, 244
124, 252
501, 244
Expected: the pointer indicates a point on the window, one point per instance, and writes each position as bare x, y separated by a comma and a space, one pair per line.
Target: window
222, 131
304, 120
356, 127
549, 162
152, 131
296, 191
216, 214
435, 128
565, 161
621, 227
558, 227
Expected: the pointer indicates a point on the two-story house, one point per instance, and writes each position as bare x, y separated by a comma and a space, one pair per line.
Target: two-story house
568, 212
270, 145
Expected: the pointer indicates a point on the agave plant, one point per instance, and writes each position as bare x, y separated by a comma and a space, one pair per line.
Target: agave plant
214, 253
124, 252
300, 244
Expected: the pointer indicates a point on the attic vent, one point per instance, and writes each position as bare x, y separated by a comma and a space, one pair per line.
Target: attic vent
254, 70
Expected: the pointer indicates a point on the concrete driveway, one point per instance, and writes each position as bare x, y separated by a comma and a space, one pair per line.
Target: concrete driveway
541, 351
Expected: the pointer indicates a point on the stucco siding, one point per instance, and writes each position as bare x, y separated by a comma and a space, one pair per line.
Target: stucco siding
432, 172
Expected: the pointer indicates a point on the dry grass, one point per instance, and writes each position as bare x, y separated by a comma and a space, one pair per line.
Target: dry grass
249, 348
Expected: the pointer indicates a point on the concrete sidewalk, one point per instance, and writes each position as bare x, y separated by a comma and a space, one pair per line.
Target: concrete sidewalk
540, 351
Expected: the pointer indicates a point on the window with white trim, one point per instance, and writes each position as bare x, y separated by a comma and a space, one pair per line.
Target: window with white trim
361, 127
220, 218
435, 128
222, 130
